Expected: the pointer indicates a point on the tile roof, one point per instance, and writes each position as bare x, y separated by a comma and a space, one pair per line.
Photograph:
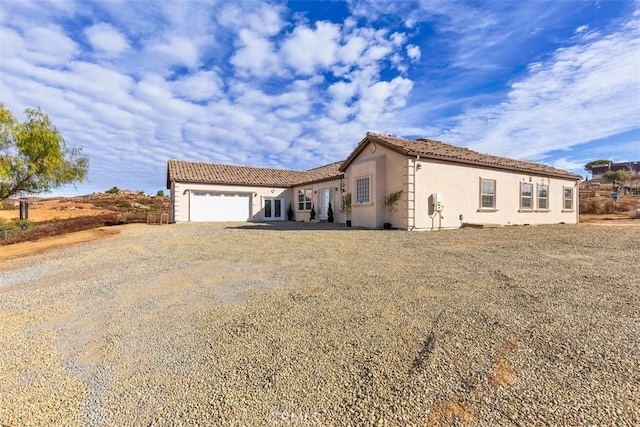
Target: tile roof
430, 149
213, 173
323, 173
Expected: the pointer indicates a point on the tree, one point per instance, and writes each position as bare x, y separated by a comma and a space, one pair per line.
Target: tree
346, 205
589, 166
34, 157
113, 190
619, 175
160, 193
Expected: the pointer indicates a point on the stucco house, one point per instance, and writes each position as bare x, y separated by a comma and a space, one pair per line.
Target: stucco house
443, 186
632, 168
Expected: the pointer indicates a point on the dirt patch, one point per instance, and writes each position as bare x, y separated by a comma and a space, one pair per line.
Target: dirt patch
55, 210
609, 219
450, 412
14, 255
503, 372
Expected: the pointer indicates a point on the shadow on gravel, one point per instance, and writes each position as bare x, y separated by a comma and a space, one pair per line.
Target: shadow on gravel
295, 226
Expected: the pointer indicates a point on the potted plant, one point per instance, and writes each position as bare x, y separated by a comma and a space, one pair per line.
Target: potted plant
390, 202
312, 214
346, 207
290, 212
330, 214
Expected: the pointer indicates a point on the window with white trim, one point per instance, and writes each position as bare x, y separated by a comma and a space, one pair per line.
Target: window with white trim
304, 200
526, 196
543, 197
362, 190
487, 193
568, 198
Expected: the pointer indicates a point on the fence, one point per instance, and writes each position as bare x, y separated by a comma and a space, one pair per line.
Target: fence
158, 218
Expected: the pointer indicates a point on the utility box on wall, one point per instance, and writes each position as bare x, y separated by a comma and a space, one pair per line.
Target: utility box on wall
435, 203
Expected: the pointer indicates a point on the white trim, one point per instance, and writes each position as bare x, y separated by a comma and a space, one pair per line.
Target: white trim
283, 209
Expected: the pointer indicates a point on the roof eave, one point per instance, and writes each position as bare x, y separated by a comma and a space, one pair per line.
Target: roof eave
316, 181
568, 175
243, 184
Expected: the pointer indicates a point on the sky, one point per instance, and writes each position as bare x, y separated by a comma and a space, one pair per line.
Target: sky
297, 85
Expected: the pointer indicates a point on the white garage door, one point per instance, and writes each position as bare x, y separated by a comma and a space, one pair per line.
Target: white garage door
207, 206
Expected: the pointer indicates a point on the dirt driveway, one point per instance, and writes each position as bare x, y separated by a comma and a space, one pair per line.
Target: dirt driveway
287, 325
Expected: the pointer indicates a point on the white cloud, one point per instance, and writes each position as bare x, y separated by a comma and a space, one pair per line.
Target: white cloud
585, 92
255, 55
49, 46
382, 98
266, 20
413, 52
173, 50
582, 29
351, 51
199, 86
107, 40
307, 50
213, 81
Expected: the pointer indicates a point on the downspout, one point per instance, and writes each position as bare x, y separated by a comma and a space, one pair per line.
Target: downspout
577, 193
189, 198
415, 169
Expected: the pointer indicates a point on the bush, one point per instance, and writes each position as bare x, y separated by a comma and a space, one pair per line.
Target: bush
70, 225
15, 224
618, 175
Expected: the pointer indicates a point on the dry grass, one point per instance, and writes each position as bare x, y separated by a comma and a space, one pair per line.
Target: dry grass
450, 412
503, 373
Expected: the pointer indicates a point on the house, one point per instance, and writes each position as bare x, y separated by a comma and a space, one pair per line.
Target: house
632, 168
443, 186
215, 192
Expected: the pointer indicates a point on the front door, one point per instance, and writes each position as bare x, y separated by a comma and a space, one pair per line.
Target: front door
273, 210
325, 199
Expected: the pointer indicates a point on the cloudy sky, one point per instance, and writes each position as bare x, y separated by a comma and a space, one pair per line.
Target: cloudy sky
298, 84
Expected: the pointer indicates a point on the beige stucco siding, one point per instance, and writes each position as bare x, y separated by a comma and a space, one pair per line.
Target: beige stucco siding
387, 172
333, 189
459, 187
180, 194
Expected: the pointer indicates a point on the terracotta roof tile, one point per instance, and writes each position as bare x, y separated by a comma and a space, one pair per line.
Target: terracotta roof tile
184, 171
214, 173
431, 149
323, 173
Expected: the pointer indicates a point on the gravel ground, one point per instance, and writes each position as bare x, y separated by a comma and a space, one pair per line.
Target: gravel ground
202, 324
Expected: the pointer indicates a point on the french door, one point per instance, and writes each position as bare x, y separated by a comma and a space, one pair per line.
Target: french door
273, 210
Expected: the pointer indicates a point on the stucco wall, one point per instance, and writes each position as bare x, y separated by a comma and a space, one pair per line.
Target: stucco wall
386, 170
180, 197
459, 187
334, 186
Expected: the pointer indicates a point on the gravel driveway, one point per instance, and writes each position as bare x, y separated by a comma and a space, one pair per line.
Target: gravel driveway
291, 325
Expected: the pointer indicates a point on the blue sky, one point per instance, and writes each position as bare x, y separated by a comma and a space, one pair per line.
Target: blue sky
298, 84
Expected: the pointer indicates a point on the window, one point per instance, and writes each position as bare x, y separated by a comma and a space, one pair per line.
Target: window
487, 194
304, 200
362, 190
543, 197
568, 198
526, 196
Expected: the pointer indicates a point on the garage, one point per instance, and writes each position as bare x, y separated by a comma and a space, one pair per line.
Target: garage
208, 206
